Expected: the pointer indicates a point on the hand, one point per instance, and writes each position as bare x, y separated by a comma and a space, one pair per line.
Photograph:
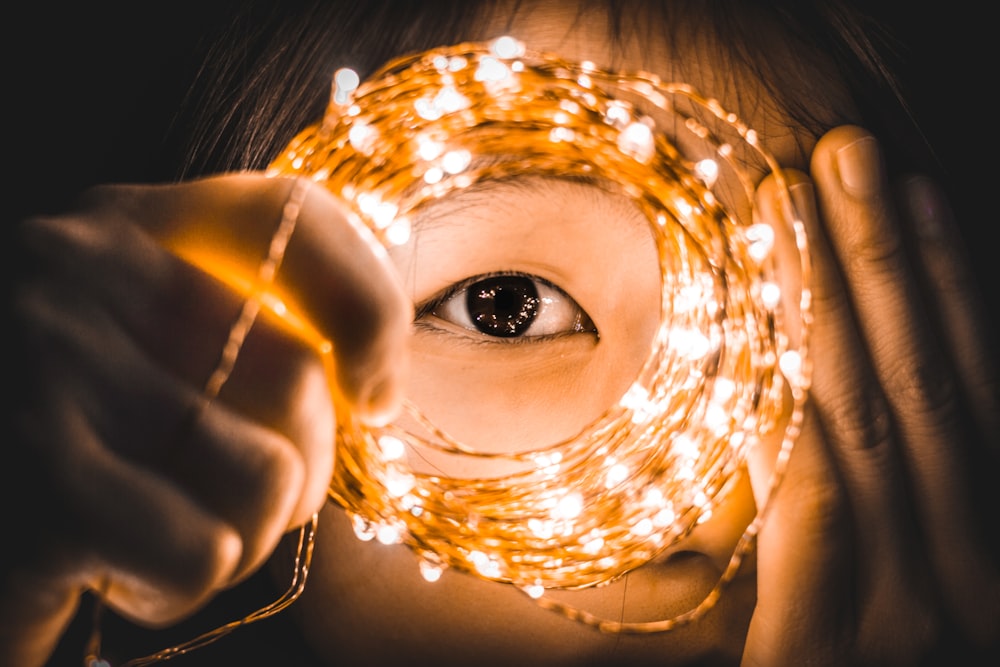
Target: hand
117, 483
879, 546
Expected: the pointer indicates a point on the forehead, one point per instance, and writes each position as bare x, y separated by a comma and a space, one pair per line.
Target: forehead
679, 49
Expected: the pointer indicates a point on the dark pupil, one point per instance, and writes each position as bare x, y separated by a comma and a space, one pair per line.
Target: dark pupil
503, 306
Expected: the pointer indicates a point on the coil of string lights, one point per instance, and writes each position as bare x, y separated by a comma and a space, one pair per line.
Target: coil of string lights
727, 367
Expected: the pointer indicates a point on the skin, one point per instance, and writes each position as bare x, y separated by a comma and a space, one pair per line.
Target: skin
873, 551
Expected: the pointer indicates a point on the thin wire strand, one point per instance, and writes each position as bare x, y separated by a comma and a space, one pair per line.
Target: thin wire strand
266, 272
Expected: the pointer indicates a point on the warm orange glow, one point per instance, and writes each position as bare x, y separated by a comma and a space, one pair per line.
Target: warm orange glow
727, 354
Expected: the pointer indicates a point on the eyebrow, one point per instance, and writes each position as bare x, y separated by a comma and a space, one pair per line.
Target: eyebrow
442, 212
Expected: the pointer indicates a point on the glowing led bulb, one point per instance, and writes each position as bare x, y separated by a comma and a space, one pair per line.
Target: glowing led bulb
617, 474
761, 237
535, 591
345, 82
507, 47
392, 448
637, 140
363, 528
491, 69
568, 507
397, 232
431, 572
363, 138
388, 534
707, 170
770, 294
456, 161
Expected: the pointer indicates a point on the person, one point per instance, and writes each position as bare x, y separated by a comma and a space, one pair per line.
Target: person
877, 548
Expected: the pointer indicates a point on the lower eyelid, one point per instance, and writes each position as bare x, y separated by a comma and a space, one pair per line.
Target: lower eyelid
435, 326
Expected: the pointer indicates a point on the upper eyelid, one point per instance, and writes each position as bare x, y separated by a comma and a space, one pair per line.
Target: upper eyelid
425, 307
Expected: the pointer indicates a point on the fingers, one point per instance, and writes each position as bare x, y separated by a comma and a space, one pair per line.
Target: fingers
334, 275
121, 312
180, 318
150, 492
951, 293
804, 566
925, 394
884, 471
808, 564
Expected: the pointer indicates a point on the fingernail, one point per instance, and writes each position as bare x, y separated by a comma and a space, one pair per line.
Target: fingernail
859, 164
926, 207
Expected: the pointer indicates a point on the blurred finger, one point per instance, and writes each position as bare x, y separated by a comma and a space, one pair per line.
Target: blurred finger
334, 275
952, 293
180, 317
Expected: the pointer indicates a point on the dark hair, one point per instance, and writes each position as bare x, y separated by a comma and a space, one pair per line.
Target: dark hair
267, 74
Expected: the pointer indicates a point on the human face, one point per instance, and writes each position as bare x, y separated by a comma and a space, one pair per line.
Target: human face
585, 251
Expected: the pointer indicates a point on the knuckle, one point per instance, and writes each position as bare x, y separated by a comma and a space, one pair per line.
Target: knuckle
923, 383
875, 245
861, 419
829, 303
189, 577
877, 252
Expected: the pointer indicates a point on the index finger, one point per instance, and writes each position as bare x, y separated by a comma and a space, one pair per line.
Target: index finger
335, 284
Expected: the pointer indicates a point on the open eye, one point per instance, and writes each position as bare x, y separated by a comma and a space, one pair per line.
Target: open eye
510, 306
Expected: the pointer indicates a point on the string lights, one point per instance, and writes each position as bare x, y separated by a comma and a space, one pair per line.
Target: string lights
727, 365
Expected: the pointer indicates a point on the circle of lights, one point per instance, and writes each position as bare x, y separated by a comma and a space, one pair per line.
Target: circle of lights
723, 370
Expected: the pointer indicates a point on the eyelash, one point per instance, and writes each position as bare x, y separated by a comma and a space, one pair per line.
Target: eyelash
583, 322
